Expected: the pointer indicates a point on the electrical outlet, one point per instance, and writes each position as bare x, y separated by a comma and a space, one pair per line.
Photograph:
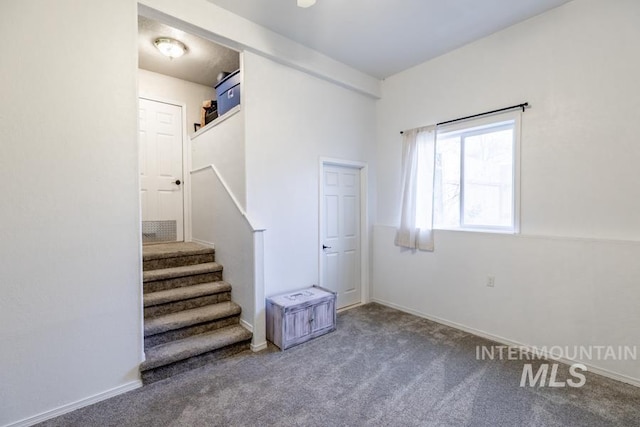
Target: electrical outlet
491, 281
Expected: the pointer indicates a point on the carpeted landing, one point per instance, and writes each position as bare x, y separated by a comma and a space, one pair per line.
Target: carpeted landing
381, 367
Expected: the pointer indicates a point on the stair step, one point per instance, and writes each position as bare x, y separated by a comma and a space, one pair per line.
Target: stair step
175, 277
168, 255
185, 293
169, 250
194, 316
183, 324
182, 271
196, 345
193, 346
185, 298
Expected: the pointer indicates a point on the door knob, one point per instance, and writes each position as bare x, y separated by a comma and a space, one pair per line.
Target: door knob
177, 182
326, 247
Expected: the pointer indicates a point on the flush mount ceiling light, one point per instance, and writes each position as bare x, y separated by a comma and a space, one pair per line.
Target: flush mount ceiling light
170, 47
306, 3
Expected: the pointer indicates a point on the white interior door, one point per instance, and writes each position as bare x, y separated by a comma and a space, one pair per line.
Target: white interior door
340, 233
161, 179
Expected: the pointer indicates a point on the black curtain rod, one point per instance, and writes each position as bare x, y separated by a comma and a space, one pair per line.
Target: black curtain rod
513, 107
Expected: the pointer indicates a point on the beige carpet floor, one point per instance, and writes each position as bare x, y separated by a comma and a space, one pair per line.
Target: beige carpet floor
381, 367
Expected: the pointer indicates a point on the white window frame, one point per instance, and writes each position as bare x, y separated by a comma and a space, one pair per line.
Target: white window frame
478, 125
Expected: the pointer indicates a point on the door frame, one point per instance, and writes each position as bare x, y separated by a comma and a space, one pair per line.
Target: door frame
363, 169
186, 163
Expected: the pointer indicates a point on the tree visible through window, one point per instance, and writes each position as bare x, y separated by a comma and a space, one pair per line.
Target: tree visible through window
474, 182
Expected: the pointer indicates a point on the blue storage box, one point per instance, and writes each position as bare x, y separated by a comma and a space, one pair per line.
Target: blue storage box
228, 92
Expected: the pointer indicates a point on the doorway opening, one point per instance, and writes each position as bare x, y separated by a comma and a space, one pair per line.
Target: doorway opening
173, 93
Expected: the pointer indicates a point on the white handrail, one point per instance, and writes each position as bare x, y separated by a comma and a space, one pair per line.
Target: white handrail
230, 193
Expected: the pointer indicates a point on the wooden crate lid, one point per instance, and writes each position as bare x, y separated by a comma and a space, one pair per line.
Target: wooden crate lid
301, 296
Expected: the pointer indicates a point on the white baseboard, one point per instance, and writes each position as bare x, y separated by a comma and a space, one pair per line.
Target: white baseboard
204, 243
76, 405
259, 347
248, 326
254, 347
590, 368
349, 307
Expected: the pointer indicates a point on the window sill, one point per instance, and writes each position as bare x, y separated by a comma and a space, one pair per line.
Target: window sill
479, 230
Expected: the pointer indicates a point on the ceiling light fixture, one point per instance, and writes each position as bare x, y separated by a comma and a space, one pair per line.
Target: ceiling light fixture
170, 47
306, 3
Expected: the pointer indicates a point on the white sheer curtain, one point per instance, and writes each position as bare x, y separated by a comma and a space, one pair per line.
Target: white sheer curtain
416, 220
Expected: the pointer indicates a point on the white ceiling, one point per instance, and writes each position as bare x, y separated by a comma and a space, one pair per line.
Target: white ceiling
383, 37
200, 64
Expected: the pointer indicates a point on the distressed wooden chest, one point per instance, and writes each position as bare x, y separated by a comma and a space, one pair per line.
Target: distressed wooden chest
296, 317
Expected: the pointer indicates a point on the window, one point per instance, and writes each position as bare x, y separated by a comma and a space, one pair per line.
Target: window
475, 185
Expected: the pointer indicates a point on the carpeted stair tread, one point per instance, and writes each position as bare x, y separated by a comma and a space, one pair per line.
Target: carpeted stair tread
171, 250
194, 316
195, 345
187, 292
174, 272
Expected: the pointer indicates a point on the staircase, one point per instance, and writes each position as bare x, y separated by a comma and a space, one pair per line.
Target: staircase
189, 318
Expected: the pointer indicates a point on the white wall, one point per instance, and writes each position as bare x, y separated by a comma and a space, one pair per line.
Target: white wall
222, 144
70, 311
293, 119
548, 291
166, 88
217, 220
578, 67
